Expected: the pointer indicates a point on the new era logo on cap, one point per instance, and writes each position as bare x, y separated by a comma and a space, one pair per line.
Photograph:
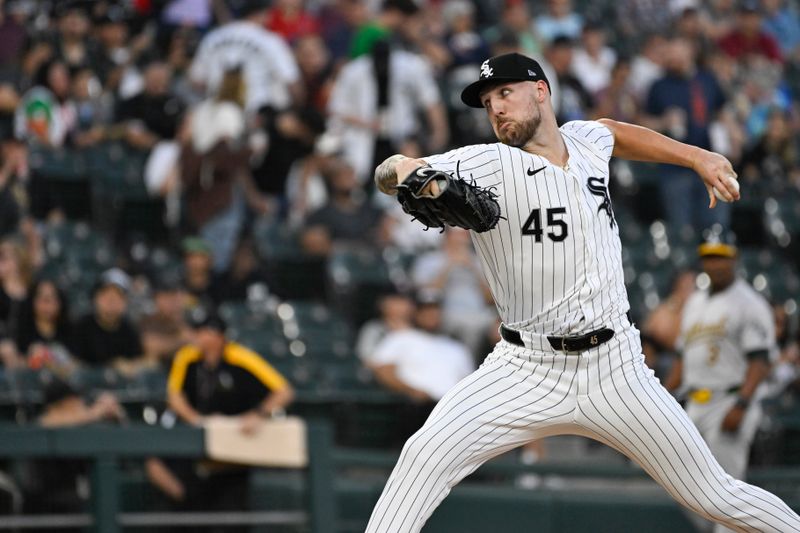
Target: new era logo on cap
506, 67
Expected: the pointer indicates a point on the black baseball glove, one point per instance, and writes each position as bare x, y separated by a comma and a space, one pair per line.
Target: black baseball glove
457, 202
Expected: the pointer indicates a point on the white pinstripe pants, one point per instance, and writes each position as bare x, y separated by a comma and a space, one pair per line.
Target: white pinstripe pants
607, 394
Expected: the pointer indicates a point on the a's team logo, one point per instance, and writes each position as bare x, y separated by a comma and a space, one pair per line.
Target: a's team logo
486, 70
597, 186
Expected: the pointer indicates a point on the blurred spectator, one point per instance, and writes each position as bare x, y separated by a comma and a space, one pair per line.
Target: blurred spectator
574, 101
270, 72
690, 25
61, 486
593, 60
291, 20
215, 377
719, 18
106, 334
647, 66
14, 175
782, 22
92, 109
348, 219
375, 104
394, 14
44, 318
515, 21
748, 39
682, 105
760, 90
420, 362
153, 114
396, 314
465, 45
112, 35
316, 70
292, 133
46, 114
339, 20
198, 277
14, 36
214, 170
617, 101
162, 332
639, 19
71, 44
559, 19
662, 327
169, 302
243, 274
197, 14
454, 272
775, 156
15, 278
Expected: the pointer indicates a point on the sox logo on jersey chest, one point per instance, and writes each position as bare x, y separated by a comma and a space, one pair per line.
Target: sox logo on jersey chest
597, 186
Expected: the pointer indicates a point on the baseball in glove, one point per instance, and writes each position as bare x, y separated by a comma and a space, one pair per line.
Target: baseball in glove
455, 201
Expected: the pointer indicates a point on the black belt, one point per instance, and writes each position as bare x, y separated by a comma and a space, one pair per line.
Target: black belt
576, 343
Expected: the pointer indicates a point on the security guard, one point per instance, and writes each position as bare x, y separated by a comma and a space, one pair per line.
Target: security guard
214, 376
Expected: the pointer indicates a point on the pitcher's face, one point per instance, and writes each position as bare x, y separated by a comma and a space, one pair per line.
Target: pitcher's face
514, 111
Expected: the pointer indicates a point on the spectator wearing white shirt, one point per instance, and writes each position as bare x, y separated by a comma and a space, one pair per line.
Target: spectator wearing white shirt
375, 103
593, 60
396, 313
420, 362
269, 68
454, 272
647, 66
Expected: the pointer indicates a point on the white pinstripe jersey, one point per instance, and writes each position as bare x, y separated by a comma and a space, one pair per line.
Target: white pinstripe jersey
553, 261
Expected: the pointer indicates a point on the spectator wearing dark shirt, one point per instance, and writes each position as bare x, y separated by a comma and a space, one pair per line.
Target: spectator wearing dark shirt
747, 39
347, 219
574, 101
198, 278
682, 104
44, 318
153, 114
106, 334
215, 377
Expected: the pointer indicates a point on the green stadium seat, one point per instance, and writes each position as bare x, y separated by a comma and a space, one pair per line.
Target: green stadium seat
291, 272
58, 163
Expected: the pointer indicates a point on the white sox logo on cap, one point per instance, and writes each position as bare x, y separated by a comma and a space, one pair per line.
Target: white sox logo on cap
486, 70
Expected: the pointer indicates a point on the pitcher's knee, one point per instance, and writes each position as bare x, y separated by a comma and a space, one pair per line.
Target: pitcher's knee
420, 453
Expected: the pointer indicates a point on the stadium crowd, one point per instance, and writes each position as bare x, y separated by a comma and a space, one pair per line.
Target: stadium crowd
252, 129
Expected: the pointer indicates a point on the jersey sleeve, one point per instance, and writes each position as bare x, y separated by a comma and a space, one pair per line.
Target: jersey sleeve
593, 135
478, 162
757, 328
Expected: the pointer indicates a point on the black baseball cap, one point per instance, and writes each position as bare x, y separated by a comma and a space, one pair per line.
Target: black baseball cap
500, 69
202, 319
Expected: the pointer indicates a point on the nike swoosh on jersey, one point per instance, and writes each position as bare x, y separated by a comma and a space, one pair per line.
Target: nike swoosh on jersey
532, 172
